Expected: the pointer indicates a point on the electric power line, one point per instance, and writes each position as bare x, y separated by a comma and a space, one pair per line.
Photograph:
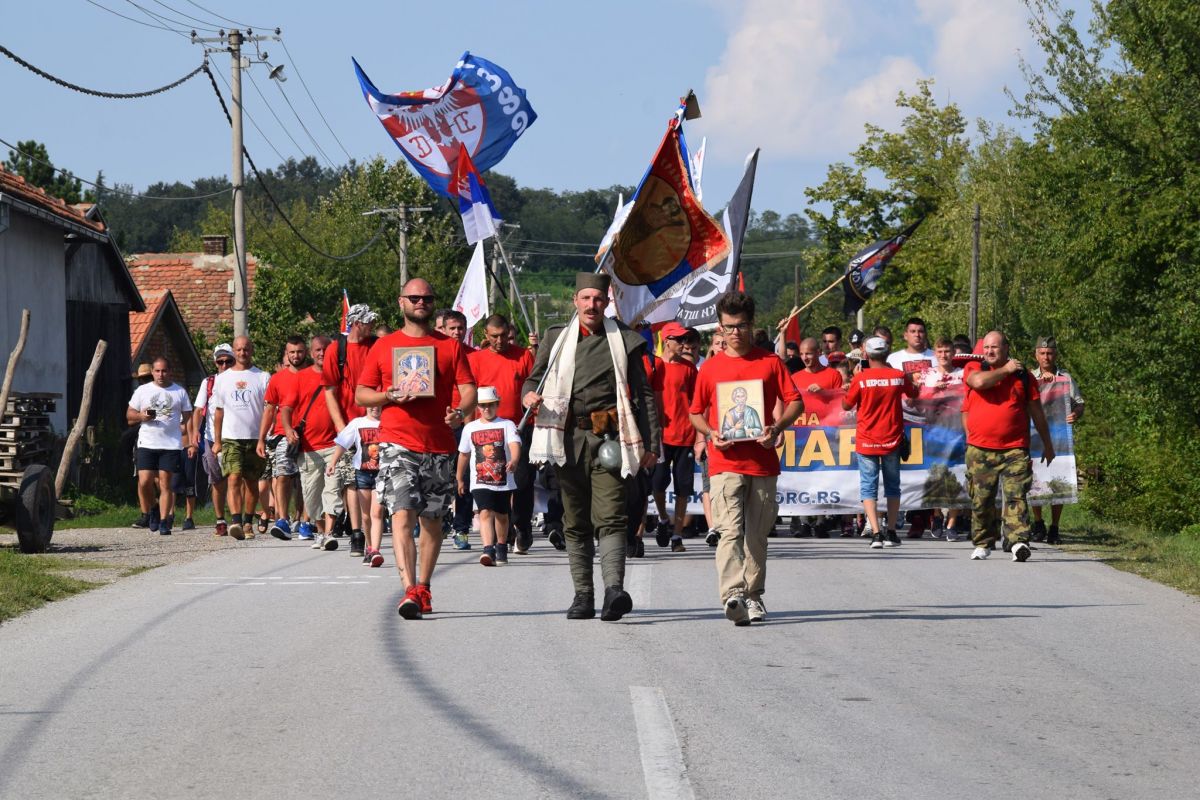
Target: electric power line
204, 24
111, 95
227, 19
160, 18
138, 21
286, 132
303, 127
109, 189
246, 114
304, 83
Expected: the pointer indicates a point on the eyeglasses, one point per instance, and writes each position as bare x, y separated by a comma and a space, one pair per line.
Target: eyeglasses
742, 327
224, 362
427, 299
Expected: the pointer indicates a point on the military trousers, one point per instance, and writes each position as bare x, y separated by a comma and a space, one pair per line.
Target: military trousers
990, 472
593, 501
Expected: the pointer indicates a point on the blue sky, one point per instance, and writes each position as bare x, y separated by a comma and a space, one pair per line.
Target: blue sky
798, 78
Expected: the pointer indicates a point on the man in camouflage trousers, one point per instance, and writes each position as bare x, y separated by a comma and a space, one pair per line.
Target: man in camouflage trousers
1001, 399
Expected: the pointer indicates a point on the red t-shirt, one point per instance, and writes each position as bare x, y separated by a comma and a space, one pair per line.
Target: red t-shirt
997, 418
319, 429
505, 371
356, 356
675, 382
420, 424
744, 457
279, 388
877, 392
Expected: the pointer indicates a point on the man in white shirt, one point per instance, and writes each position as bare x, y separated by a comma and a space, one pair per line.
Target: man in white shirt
237, 401
916, 361
202, 435
163, 410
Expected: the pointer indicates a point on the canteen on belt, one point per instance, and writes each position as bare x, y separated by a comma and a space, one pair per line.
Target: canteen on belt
610, 455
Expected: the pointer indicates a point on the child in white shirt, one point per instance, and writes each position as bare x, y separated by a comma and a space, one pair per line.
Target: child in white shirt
361, 435
484, 444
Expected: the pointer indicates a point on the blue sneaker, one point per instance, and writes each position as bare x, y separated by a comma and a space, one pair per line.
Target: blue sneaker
305, 531
282, 530
460, 542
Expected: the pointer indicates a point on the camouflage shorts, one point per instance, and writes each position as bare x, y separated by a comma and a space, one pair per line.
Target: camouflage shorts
410, 481
989, 473
343, 473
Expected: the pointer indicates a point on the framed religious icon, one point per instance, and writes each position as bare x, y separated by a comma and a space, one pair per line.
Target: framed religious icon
740, 410
414, 370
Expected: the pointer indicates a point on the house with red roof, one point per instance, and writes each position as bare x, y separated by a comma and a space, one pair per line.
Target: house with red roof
160, 330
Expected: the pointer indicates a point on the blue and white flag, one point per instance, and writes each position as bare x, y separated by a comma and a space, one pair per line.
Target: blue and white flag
479, 216
479, 108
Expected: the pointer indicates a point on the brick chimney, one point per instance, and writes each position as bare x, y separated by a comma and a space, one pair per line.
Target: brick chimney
216, 245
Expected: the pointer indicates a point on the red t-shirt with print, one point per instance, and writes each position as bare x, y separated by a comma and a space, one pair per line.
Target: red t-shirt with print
347, 382
279, 388
746, 457
506, 371
420, 424
319, 429
997, 418
877, 393
675, 382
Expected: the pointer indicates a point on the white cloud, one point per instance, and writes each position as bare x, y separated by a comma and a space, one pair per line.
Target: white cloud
976, 42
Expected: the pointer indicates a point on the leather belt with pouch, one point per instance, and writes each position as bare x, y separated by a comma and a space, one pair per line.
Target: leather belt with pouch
598, 422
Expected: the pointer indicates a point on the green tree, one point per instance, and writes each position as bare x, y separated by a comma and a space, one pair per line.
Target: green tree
31, 161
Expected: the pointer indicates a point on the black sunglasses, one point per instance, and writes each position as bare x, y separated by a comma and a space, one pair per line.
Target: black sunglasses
427, 299
224, 362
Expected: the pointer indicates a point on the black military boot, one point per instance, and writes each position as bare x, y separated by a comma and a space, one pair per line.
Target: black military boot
584, 606
617, 603
1038, 531
358, 541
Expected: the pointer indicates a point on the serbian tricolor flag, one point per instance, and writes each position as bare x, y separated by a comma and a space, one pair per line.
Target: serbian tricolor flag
345, 312
479, 107
665, 236
866, 268
479, 216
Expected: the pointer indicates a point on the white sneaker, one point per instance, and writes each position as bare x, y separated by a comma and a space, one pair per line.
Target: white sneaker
980, 553
756, 610
319, 542
1021, 551
735, 610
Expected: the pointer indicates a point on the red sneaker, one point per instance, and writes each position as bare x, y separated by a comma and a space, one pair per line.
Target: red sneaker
222, 528
426, 599
376, 558
410, 606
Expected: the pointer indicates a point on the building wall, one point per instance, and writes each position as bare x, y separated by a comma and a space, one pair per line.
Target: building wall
33, 276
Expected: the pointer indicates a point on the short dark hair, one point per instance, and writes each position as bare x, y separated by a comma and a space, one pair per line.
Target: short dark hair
882, 330
835, 330
452, 314
792, 346
915, 321
734, 303
296, 338
496, 321
163, 359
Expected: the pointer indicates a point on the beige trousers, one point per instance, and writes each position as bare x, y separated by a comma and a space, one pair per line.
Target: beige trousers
743, 511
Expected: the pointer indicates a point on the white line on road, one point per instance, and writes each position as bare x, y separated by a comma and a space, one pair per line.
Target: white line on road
637, 583
662, 760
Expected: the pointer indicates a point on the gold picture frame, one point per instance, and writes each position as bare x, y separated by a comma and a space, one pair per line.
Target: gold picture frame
414, 371
741, 415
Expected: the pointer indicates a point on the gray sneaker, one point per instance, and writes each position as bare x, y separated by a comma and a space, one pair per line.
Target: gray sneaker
736, 611
756, 610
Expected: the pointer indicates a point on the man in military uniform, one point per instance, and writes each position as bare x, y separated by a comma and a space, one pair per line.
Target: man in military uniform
593, 496
1053, 383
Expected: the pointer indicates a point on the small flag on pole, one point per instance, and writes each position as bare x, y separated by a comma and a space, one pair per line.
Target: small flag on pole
345, 312
472, 298
478, 214
866, 268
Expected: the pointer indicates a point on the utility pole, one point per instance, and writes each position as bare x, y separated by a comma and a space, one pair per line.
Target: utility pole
232, 43
973, 323
536, 315
400, 214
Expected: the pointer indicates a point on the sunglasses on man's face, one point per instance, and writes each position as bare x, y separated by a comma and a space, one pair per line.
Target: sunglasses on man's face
224, 362
427, 299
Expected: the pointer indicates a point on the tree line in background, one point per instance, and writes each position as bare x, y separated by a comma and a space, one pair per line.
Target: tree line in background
1090, 232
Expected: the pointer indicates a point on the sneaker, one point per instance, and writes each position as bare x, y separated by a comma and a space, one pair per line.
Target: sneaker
488, 557
522, 541
189, 524
736, 611
282, 529
677, 545
501, 554
980, 553
877, 542
330, 543
802, 530
951, 535
557, 539
1052, 535
1038, 531
358, 543
847, 529
222, 528
866, 531
662, 534
891, 539
1021, 551
426, 598
711, 538
366, 559
141, 522
410, 606
376, 559
460, 542
755, 610
164, 527
236, 531
305, 531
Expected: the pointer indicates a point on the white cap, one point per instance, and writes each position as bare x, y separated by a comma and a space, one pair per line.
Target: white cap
222, 349
876, 346
487, 394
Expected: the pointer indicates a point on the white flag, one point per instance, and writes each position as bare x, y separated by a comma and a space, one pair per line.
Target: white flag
472, 299
698, 169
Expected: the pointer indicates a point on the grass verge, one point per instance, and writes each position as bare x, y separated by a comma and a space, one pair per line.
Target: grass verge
1172, 559
27, 582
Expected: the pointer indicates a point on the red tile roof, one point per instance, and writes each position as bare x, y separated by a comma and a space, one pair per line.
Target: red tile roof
11, 183
199, 283
142, 323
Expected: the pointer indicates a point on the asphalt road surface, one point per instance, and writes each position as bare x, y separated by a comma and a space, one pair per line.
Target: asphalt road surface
279, 671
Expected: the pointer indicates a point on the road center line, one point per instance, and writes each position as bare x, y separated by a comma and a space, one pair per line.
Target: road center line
637, 583
662, 759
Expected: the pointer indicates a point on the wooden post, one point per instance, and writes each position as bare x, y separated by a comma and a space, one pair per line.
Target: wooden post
85, 405
815, 298
12, 361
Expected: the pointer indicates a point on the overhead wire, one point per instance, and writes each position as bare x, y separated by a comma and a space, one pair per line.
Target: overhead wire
96, 93
164, 20
139, 21
226, 19
303, 127
246, 114
296, 69
207, 26
250, 76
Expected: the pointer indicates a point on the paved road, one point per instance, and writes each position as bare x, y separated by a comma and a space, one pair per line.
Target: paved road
279, 671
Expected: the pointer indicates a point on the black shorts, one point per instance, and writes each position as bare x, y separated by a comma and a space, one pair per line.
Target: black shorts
184, 482
158, 460
490, 500
679, 463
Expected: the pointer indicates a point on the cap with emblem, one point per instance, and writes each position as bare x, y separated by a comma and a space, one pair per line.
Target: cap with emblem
361, 312
592, 280
223, 349
1046, 343
876, 346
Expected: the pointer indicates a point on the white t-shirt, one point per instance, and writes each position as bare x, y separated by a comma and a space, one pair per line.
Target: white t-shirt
201, 402
934, 378
487, 442
164, 431
361, 435
240, 392
907, 362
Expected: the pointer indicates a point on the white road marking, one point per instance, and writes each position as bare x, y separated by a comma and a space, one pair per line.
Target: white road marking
662, 759
638, 584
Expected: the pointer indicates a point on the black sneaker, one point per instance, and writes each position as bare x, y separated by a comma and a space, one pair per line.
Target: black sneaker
677, 545
155, 520
556, 539
1037, 531
662, 533
617, 603
523, 541
877, 542
189, 524
141, 522
164, 527
1021, 551
1052, 535
711, 538
358, 543
582, 607
802, 530
891, 539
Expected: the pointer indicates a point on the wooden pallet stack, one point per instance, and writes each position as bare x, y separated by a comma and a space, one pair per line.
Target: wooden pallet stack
25, 435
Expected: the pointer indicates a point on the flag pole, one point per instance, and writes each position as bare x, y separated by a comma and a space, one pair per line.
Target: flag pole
513, 277
797, 309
